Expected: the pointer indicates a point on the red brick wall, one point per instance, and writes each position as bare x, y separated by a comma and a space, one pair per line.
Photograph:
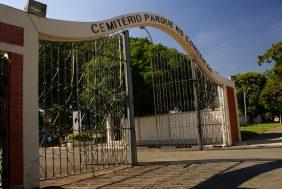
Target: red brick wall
232, 114
14, 35
16, 120
11, 34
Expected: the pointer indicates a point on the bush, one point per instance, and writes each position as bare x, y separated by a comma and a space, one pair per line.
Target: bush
83, 137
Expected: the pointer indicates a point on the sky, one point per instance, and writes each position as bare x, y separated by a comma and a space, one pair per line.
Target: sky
229, 34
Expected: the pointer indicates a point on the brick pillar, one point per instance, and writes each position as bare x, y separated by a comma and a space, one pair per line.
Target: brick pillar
15, 167
14, 35
232, 114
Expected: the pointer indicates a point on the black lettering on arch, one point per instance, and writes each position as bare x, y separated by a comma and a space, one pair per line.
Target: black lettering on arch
152, 19
124, 21
138, 18
93, 27
102, 27
146, 16
171, 24
118, 20
110, 25
130, 19
163, 20
179, 31
157, 18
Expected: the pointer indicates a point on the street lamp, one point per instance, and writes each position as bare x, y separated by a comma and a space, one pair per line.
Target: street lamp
143, 28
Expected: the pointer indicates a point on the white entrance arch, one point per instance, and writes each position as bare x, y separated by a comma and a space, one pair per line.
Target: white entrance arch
59, 30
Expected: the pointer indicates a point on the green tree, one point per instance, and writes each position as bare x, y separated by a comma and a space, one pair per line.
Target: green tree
141, 54
254, 84
274, 56
271, 96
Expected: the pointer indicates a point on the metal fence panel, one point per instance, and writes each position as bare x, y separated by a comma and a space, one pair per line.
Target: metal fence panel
82, 106
187, 104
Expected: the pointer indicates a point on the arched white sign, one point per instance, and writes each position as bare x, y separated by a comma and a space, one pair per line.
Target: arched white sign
50, 29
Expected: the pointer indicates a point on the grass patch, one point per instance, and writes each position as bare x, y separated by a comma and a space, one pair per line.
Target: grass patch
250, 131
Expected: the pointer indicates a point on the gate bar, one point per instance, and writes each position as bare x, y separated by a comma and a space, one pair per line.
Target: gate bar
130, 103
197, 104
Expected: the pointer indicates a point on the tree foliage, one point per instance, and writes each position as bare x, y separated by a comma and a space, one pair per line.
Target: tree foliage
274, 56
254, 84
141, 54
271, 95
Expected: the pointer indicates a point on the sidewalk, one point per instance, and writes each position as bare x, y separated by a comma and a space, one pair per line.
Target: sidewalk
271, 138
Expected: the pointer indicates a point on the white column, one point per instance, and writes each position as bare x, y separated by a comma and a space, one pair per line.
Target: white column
223, 116
109, 126
30, 107
227, 117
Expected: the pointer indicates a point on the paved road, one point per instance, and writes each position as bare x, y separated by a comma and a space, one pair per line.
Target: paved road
179, 168
252, 164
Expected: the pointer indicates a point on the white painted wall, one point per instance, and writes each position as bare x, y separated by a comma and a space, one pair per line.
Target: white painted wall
181, 127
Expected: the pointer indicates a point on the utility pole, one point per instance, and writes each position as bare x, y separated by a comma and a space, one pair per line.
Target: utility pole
245, 103
130, 103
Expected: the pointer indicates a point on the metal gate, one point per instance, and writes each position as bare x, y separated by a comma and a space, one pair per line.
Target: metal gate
187, 104
83, 103
4, 91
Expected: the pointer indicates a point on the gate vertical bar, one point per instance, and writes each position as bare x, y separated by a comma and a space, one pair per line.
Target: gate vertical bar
130, 105
154, 68
197, 105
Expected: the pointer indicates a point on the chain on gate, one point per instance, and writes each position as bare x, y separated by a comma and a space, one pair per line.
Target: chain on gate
187, 104
82, 106
4, 120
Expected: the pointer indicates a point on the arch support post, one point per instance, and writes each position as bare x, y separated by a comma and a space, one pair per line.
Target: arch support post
130, 103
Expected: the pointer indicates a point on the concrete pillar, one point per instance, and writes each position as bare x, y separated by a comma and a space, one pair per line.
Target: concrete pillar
224, 121
226, 115
109, 127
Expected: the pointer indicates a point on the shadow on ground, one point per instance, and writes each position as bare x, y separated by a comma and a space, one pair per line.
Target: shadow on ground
249, 135
228, 178
234, 179
262, 139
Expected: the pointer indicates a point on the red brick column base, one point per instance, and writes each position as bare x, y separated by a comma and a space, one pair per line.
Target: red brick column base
15, 167
232, 114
